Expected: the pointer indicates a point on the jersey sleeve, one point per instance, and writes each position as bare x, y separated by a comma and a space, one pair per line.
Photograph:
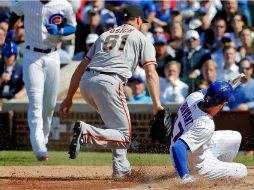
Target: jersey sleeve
91, 52
17, 8
70, 16
147, 53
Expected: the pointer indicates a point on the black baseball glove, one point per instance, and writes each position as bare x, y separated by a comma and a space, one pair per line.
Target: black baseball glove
161, 126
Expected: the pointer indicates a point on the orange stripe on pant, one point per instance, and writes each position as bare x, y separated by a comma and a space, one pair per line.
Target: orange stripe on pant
129, 123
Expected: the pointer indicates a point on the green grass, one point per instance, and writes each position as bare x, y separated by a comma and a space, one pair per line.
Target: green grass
26, 158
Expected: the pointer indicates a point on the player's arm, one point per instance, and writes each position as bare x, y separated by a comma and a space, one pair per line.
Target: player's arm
74, 84
153, 86
179, 152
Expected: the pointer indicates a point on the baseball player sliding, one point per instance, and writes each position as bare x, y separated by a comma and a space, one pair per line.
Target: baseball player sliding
45, 21
194, 141
102, 75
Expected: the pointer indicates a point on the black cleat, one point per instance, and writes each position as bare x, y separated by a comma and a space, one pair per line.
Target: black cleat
74, 147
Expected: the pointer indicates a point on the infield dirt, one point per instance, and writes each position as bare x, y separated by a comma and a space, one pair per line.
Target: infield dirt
99, 178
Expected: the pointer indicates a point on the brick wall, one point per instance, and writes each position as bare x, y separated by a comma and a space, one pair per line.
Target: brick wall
140, 116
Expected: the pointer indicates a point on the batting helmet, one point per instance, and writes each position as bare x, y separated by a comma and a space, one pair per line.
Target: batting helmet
10, 49
219, 92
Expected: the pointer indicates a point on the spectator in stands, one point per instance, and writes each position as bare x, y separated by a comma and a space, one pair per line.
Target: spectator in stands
162, 56
230, 69
5, 25
188, 9
104, 13
117, 7
93, 26
163, 11
2, 39
243, 7
217, 55
147, 33
229, 9
109, 24
209, 74
244, 96
219, 28
172, 89
194, 55
247, 48
176, 16
205, 31
90, 40
238, 22
212, 6
11, 83
138, 87
176, 42
19, 39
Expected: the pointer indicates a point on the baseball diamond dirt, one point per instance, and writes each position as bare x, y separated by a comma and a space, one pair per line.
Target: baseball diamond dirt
99, 178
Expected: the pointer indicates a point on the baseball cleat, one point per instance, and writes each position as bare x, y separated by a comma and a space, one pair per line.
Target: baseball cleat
42, 157
74, 147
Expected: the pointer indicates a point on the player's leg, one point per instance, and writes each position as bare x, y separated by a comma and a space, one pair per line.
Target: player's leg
107, 92
51, 85
213, 168
225, 144
111, 104
121, 166
33, 77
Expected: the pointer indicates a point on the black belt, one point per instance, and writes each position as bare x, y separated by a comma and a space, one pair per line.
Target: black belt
41, 50
105, 73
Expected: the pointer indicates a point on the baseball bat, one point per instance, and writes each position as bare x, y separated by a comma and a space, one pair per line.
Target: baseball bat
235, 82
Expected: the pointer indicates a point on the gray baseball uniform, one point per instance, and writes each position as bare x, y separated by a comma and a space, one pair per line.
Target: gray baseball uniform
41, 64
113, 58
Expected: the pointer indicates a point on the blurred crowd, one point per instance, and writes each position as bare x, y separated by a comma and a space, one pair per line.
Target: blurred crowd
196, 43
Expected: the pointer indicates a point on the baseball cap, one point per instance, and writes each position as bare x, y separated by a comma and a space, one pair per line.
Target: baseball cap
133, 11
10, 49
191, 34
202, 11
226, 37
160, 39
136, 78
93, 11
91, 38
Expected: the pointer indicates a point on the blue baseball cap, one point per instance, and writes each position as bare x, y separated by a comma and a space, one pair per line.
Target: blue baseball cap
136, 78
10, 49
202, 11
160, 39
227, 37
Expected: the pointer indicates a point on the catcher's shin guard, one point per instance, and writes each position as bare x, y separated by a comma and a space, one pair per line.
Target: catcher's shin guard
74, 146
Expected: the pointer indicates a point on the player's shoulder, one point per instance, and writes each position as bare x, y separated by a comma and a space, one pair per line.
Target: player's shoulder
194, 97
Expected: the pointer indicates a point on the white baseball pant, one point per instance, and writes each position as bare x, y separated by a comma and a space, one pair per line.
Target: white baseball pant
41, 77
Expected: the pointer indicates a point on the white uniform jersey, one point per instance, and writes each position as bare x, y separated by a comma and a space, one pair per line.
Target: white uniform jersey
37, 15
190, 116
119, 50
212, 152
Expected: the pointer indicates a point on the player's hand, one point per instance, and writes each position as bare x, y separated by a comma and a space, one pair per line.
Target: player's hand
157, 108
52, 29
186, 179
65, 107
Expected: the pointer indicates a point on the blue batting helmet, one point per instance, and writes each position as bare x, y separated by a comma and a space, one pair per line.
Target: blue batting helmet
10, 49
219, 92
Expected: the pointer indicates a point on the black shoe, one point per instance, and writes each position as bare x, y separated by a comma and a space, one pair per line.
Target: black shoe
74, 147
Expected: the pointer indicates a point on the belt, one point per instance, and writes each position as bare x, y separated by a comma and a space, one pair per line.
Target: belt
41, 50
108, 73
99, 72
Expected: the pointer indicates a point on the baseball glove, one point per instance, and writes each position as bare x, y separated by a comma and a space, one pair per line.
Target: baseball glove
161, 126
